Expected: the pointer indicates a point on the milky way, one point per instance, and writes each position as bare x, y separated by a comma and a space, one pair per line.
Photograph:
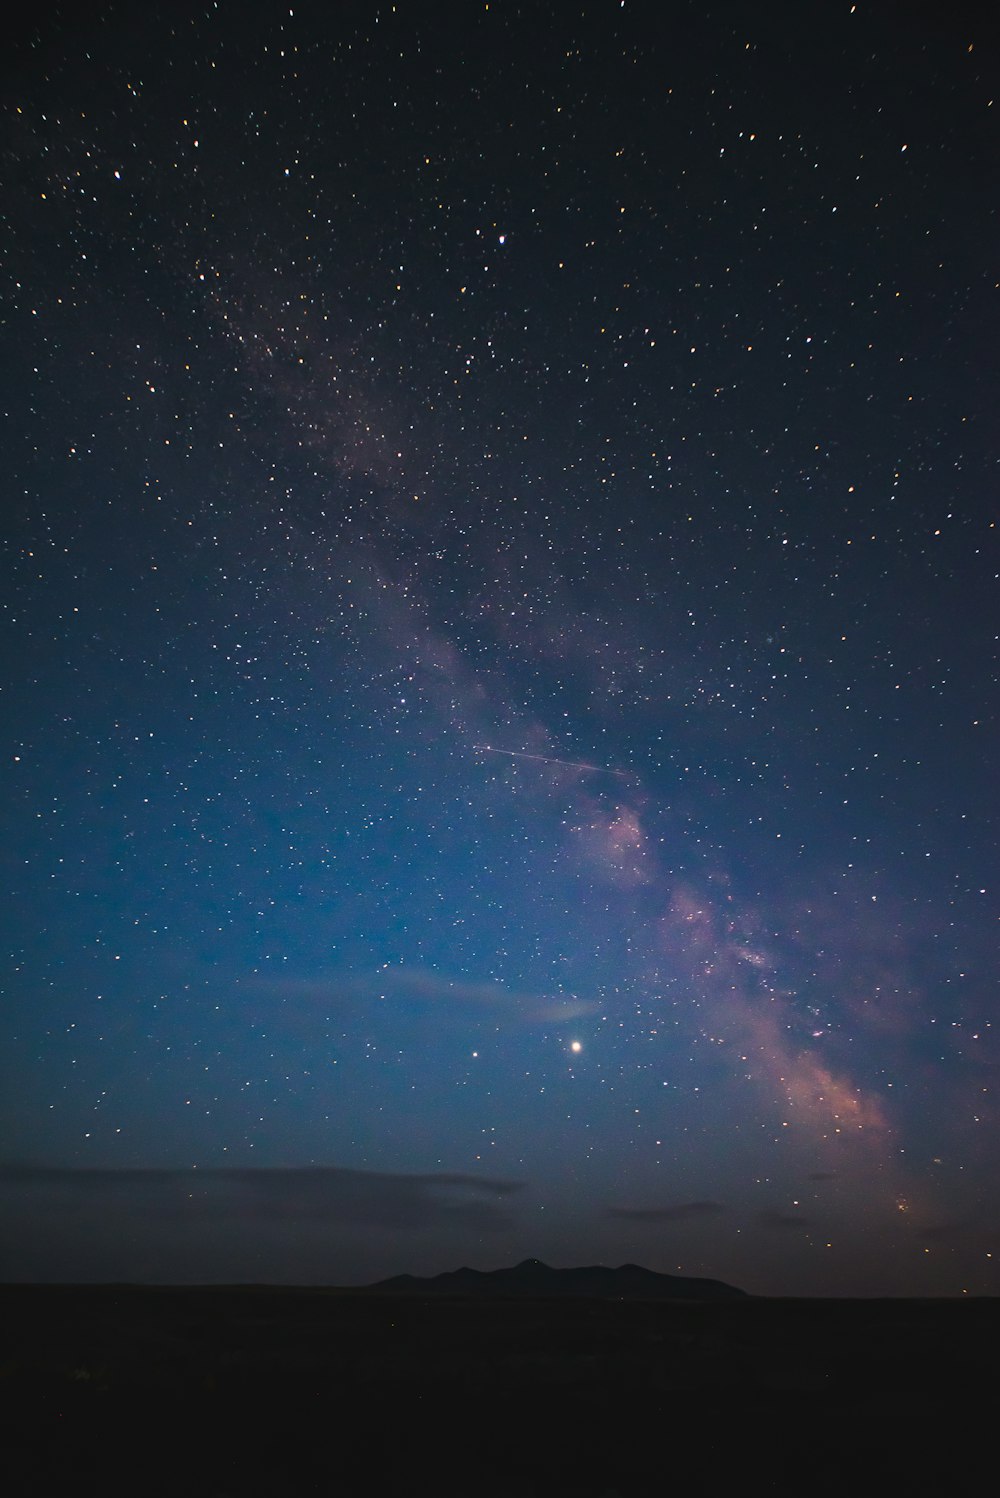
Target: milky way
501, 643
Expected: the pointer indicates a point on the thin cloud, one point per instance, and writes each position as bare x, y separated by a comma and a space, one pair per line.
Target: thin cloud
958, 1231
325, 1195
665, 1216
784, 1222
529, 1008
421, 985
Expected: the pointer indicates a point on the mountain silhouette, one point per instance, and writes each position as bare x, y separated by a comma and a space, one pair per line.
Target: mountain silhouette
532, 1278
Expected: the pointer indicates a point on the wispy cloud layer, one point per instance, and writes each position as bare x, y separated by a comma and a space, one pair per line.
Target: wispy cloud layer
310, 1194
681, 1212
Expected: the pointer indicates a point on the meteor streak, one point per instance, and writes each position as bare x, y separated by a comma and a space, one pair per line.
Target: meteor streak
550, 759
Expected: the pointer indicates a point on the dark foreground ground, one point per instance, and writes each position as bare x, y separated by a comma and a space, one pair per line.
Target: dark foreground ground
261, 1391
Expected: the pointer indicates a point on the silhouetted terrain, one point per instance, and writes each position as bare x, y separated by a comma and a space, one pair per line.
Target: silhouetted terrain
533, 1278
262, 1391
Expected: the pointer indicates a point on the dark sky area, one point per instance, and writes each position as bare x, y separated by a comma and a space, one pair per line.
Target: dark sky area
500, 690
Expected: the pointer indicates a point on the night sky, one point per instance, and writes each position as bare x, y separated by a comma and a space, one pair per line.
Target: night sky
500, 688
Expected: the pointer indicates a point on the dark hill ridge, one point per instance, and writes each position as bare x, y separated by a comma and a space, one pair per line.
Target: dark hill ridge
535, 1279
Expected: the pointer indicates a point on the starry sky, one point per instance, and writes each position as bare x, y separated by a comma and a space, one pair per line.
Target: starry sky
500, 688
